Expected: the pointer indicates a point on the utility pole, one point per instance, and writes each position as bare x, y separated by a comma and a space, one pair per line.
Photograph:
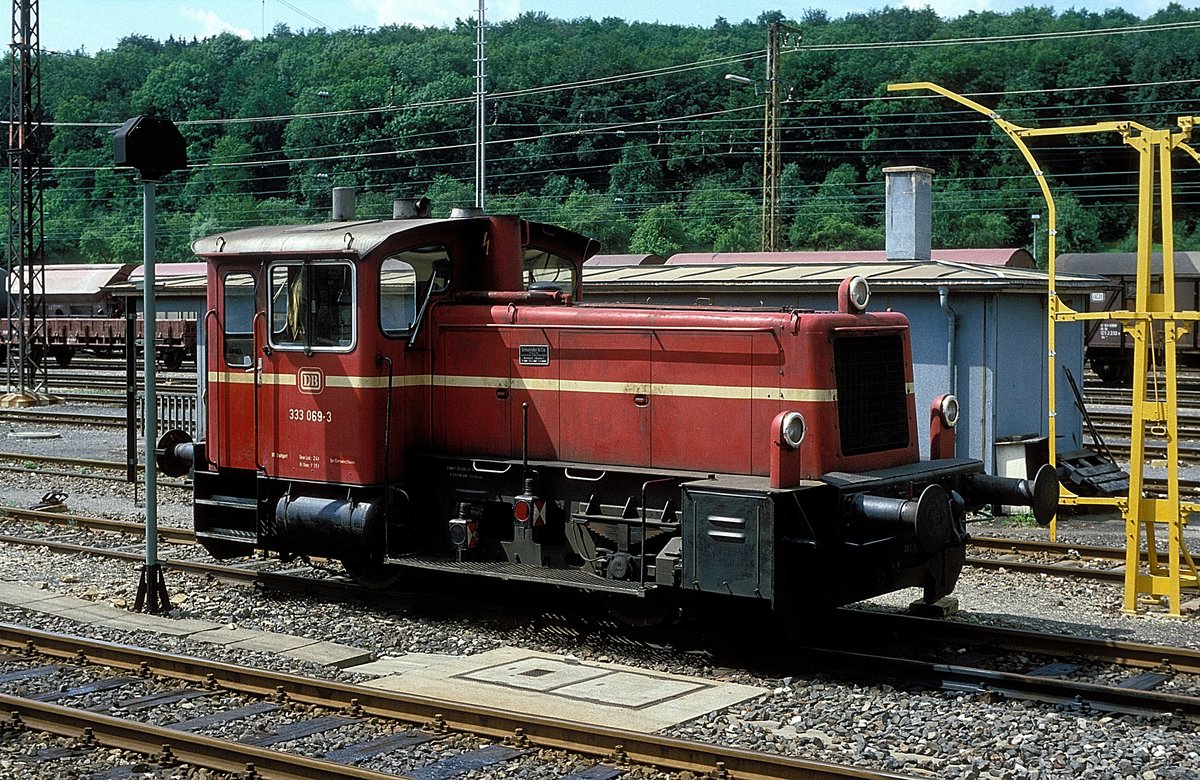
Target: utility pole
26, 277
777, 32
480, 117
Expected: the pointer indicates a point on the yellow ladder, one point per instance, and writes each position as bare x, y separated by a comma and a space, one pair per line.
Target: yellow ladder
1155, 328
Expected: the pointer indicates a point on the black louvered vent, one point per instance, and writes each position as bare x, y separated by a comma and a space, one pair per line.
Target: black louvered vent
872, 410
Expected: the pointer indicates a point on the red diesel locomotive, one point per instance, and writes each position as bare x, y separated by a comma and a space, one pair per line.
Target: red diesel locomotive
432, 394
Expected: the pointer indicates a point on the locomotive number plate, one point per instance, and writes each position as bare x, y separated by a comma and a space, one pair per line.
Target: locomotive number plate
534, 354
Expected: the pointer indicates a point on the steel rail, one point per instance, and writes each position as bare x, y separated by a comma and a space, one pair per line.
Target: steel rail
1050, 548
130, 527
79, 475
187, 748
1052, 569
58, 460
1032, 687
851, 663
283, 582
1133, 654
107, 465
69, 418
1034, 546
603, 742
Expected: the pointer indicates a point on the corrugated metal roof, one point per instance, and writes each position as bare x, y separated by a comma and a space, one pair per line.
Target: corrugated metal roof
162, 270
1123, 263
633, 259
1013, 258
81, 280
892, 274
173, 285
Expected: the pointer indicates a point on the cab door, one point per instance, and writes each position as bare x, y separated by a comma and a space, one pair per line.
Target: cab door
310, 386
230, 359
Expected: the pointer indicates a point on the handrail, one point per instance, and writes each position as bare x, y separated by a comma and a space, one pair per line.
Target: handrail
210, 345
256, 367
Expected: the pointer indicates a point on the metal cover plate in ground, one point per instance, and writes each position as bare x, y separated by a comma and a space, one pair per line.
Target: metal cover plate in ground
540, 684
590, 683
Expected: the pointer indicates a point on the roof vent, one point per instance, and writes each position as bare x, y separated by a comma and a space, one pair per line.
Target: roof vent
411, 208
343, 204
462, 212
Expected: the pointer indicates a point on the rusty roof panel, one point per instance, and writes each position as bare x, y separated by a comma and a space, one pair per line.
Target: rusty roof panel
76, 280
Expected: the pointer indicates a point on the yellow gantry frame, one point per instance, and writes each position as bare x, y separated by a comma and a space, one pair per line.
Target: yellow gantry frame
1157, 415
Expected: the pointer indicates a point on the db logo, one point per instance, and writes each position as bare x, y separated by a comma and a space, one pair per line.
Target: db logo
310, 380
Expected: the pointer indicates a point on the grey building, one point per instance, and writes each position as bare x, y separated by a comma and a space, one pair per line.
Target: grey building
979, 331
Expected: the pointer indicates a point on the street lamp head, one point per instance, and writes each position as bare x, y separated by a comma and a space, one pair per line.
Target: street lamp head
1035, 217
736, 79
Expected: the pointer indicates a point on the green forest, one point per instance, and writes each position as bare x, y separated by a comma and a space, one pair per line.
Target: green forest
630, 132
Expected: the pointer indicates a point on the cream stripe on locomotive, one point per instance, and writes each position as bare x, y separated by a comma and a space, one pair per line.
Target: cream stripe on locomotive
632, 388
814, 395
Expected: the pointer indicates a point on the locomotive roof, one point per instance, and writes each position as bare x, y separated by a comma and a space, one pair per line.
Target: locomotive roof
360, 236
1124, 263
363, 236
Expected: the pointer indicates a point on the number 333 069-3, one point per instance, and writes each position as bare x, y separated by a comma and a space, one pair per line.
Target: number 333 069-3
310, 415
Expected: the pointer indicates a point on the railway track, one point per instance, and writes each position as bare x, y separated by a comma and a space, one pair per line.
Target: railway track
50, 416
400, 721
1028, 556
918, 653
1105, 564
78, 468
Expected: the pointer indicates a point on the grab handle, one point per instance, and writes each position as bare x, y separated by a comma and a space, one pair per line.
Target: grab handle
599, 476
507, 467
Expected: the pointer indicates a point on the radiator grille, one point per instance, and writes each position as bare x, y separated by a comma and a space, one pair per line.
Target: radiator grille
872, 408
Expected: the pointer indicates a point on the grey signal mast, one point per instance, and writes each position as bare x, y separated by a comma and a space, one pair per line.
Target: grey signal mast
26, 237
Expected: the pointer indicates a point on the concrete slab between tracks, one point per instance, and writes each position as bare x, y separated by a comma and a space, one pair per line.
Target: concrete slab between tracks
539, 684
301, 648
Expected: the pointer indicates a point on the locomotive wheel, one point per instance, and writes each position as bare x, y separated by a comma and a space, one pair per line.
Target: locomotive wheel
376, 576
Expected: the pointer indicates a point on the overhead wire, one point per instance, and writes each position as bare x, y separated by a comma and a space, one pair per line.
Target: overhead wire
641, 126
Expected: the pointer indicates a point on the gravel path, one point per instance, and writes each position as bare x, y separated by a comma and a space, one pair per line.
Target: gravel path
915, 732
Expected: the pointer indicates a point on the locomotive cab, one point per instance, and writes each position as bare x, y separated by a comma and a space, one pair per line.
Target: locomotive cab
433, 395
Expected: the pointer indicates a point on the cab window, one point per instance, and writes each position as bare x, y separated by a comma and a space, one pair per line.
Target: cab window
312, 305
406, 279
237, 301
547, 270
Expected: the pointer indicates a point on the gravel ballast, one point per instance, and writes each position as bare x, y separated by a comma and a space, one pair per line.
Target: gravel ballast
914, 732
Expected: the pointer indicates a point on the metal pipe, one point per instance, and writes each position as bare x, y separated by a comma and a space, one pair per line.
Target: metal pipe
951, 335
642, 541
387, 447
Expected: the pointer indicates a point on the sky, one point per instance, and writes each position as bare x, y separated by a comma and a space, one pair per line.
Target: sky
93, 25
